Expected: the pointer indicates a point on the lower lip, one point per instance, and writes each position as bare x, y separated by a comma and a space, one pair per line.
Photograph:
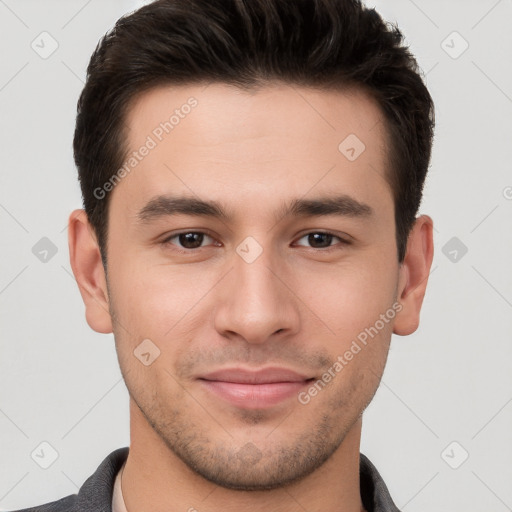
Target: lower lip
254, 396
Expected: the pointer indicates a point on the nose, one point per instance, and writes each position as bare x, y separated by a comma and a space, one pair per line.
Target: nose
255, 302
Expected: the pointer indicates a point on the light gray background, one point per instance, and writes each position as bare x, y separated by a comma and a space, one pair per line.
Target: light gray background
450, 381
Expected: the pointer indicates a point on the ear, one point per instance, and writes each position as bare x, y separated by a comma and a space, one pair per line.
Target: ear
413, 275
85, 259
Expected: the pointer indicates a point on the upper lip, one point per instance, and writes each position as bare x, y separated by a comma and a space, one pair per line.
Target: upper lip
261, 376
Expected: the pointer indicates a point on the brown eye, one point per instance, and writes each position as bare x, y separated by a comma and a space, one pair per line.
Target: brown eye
321, 240
188, 240
191, 240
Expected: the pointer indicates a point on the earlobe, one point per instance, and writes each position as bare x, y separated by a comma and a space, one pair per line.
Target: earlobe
414, 273
85, 259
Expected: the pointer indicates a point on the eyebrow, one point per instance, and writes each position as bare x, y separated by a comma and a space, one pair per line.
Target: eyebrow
167, 205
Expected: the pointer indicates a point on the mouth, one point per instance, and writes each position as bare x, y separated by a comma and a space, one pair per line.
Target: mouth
258, 389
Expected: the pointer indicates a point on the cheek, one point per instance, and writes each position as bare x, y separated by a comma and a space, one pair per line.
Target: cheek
152, 300
349, 298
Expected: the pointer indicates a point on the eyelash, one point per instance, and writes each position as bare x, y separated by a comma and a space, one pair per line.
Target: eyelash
343, 242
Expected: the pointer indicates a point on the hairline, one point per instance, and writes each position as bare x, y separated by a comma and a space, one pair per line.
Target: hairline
256, 84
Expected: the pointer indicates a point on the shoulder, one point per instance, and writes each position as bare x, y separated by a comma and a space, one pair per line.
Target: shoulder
374, 492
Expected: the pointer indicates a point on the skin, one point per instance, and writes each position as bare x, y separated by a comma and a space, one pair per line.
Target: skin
296, 306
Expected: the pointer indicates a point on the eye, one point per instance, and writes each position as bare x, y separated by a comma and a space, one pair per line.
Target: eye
188, 240
322, 240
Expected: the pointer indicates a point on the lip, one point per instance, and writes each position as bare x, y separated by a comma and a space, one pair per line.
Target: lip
261, 376
251, 389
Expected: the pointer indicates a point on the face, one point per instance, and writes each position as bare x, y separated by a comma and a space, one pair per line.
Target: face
252, 274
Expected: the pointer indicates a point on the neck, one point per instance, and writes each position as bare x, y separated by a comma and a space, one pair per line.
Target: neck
154, 478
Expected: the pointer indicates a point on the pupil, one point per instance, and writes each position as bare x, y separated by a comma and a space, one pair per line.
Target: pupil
317, 237
191, 240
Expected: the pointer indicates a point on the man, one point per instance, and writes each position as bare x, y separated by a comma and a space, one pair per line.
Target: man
251, 172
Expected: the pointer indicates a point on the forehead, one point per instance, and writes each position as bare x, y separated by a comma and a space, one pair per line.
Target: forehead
213, 111
276, 140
